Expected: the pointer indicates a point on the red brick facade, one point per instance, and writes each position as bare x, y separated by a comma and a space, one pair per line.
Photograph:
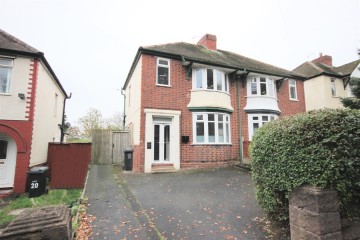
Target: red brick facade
21, 131
177, 97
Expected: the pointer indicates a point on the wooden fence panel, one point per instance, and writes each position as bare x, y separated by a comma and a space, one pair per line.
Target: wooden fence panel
68, 164
101, 151
108, 146
121, 141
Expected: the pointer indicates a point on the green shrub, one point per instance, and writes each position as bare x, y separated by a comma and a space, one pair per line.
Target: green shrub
320, 148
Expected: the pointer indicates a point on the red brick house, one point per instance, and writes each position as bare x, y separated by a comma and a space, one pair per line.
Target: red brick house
31, 110
192, 105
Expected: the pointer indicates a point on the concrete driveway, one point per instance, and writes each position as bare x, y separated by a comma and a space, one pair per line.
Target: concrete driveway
192, 204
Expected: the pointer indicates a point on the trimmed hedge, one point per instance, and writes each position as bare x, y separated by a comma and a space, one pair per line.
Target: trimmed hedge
320, 148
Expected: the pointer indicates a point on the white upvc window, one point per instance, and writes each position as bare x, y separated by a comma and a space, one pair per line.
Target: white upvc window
5, 74
163, 72
261, 86
292, 89
210, 79
333, 87
255, 121
211, 128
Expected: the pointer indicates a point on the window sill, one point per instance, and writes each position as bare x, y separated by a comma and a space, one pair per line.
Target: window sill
161, 85
5, 94
294, 100
209, 90
211, 144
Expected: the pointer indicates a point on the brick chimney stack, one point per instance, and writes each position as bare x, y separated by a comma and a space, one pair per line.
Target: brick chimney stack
208, 41
326, 59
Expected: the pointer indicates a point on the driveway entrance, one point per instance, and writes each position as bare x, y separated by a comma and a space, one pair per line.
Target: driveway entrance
192, 204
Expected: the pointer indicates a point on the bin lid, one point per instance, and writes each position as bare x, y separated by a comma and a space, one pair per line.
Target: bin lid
39, 169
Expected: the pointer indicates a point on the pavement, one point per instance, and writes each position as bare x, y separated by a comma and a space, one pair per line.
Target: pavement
189, 204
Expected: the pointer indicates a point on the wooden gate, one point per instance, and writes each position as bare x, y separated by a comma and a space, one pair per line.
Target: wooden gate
108, 146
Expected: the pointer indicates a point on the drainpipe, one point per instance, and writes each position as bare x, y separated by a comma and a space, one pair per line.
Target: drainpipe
63, 120
124, 117
239, 117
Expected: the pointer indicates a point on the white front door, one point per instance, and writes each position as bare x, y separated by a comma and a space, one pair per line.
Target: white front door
7, 161
162, 143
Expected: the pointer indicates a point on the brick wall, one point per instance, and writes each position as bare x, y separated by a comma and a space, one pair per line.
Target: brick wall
177, 97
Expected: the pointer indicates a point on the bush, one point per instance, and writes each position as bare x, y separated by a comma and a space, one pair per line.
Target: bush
320, 148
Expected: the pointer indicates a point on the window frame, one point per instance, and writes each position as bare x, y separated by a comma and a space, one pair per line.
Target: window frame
293, 85
255, 83
333, 87
226, 128
158, 65
260, 121
9, 74
215, 79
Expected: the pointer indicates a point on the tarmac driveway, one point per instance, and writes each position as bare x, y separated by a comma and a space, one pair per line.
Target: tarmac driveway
192, 204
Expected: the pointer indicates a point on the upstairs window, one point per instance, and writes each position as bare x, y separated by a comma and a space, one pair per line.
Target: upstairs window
163, 72
261, 86
333, 87
292, 89
210, 79
5, 74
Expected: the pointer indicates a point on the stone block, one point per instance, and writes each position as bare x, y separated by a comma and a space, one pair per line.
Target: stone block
298, 233
314, 199
49, 222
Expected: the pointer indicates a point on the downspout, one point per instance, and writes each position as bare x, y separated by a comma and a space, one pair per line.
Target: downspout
63, 120
239, 117
124, 117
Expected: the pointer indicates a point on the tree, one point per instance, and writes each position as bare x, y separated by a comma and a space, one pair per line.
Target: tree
353, 102
114, 122
92, 120
73, 134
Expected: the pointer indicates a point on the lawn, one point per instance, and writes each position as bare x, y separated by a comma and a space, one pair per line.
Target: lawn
54, 197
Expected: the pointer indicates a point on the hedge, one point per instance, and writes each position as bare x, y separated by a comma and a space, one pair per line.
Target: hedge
320, 148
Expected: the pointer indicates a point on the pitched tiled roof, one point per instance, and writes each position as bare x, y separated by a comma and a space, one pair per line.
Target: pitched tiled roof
200, 54
10, 42
310, 69
14, 46
348, 68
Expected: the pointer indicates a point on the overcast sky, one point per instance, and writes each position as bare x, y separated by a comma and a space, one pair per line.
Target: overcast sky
90, 44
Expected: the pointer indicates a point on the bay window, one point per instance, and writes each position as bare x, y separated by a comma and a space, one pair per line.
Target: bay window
211, 128
261, 86
5, 74
210, 79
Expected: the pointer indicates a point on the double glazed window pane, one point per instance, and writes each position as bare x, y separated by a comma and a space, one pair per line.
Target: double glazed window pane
163, 75
5, 75
219, 80
210, 79
199, 78
3, 149
263, 86
253, 86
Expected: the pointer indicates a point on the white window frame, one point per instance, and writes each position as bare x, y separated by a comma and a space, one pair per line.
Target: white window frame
259, 120
292, 84
226, 128
158, 64
256, 81
224, 80
9, 77
333, 87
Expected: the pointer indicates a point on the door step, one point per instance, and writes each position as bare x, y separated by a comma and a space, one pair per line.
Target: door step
163, 169
5, 193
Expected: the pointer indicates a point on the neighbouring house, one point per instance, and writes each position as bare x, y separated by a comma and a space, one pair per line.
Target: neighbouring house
31, 110
326, 84
190, 105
